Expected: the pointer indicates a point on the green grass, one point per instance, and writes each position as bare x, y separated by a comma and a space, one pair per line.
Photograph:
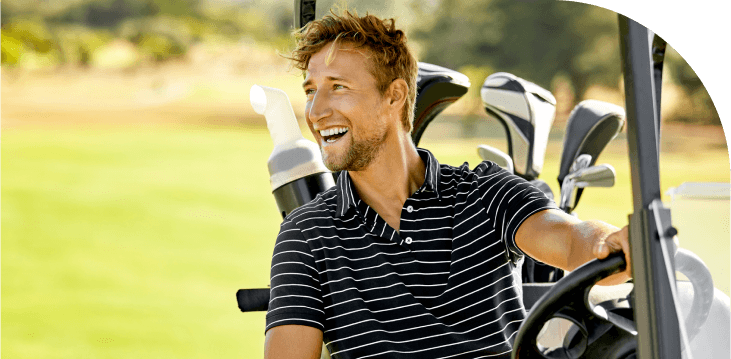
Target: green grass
131, 242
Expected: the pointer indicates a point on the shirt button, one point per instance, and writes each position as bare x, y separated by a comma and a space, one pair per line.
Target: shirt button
409, 209
408, 240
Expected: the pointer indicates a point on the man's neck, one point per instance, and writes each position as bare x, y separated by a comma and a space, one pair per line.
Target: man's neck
393, 176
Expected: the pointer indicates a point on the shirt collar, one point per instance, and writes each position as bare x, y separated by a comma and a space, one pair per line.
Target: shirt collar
432, 175
347, 196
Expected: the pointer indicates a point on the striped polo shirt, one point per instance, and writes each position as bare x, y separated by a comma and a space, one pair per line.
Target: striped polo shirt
446, 285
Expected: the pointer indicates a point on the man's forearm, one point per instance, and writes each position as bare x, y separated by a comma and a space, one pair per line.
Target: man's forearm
564, 241
293, 341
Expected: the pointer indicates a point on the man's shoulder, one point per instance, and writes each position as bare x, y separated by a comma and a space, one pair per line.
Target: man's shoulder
483, 171
300, 224
322, 206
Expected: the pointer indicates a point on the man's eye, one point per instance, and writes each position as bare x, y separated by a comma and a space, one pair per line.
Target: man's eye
337, 87
309, 92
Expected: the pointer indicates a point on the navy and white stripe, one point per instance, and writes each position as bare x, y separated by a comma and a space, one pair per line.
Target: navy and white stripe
441, 287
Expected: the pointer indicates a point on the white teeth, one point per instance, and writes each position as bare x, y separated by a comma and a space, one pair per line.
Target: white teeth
333, 131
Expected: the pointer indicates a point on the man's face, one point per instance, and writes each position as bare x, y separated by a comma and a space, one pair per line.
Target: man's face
345, 111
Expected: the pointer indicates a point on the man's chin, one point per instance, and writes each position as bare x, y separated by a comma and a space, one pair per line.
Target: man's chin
352, 157
334, 158
335, 167
333, 163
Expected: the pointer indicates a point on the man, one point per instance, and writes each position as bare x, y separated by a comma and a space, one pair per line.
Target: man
404, 257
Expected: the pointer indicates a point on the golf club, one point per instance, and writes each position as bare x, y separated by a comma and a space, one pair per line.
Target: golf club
595, 176
526, 111
436, 88
589, 128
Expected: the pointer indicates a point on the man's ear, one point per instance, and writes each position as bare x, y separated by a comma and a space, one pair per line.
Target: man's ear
397, 93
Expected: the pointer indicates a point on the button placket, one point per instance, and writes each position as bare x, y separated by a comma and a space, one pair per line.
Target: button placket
408, 213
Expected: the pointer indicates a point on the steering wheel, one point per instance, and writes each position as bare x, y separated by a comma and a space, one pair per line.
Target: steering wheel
568, 299
598, 333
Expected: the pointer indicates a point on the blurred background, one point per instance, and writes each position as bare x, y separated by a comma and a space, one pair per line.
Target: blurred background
135, 195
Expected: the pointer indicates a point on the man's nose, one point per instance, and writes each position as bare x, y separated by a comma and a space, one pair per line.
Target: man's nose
319, 107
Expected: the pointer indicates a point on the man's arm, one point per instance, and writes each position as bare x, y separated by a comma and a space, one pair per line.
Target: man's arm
296, 315
561, 240
293, 341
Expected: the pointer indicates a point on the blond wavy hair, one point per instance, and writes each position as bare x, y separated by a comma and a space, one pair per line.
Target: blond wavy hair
391, 58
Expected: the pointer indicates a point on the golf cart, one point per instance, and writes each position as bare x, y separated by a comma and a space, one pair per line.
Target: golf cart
640, 319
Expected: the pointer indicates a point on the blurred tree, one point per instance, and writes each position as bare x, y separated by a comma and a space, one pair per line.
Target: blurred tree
12, 50
696, 106
26, 40
78, 43
534, 40
158, 47
110, 13
539, 40
32, 32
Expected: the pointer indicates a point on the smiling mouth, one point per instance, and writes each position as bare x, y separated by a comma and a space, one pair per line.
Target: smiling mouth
333, 134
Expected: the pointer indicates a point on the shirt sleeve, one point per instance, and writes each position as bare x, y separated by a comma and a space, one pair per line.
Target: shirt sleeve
510, 200
295, 295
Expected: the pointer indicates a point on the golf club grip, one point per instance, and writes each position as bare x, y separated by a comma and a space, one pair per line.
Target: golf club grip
253, 300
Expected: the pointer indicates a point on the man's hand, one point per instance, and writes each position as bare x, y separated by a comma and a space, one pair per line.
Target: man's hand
615, 242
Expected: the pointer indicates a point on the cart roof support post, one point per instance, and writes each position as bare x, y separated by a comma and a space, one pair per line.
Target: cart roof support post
655, 313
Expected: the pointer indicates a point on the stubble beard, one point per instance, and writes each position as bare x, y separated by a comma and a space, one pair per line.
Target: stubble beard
359, 155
